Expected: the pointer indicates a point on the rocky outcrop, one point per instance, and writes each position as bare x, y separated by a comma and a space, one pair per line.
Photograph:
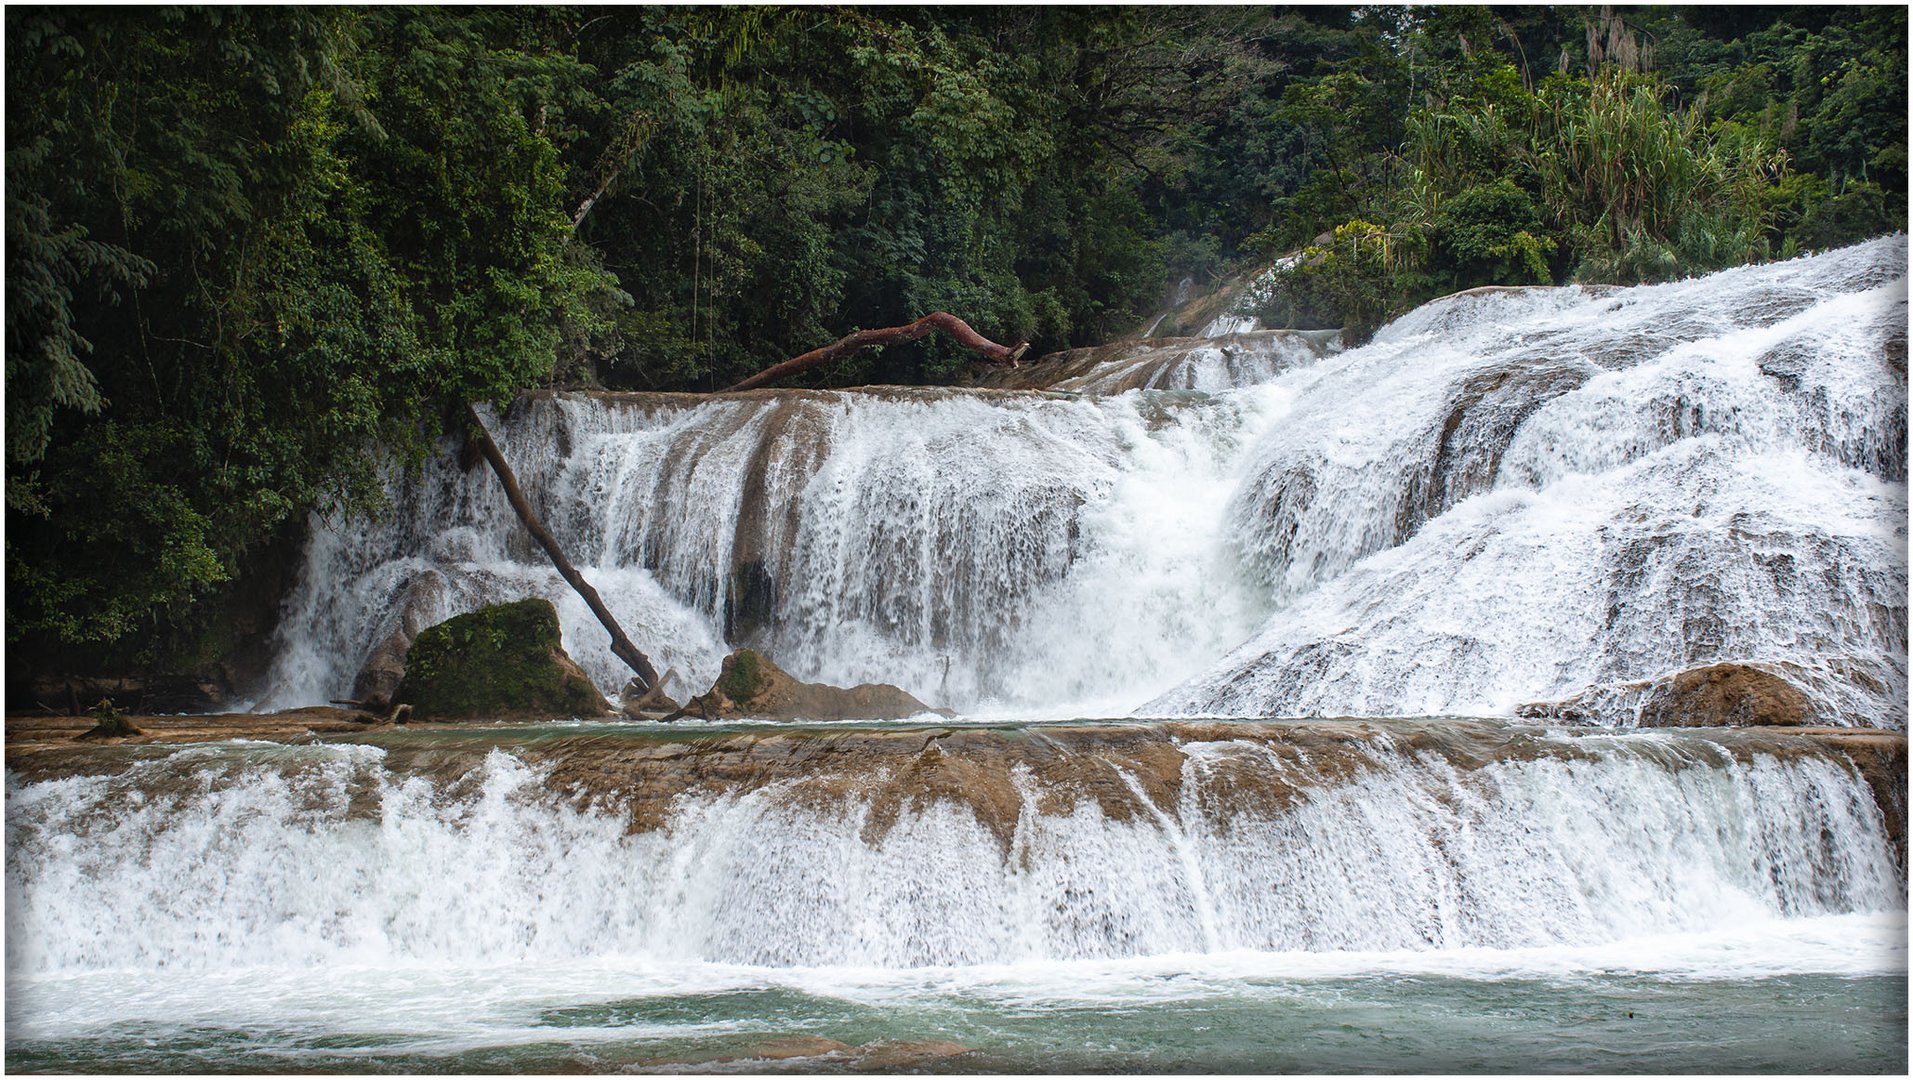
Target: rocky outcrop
1483, 413
379, 677
384, 669
113, 724
1719, 695
1124, 770
1726, 695
499, 662
751, 687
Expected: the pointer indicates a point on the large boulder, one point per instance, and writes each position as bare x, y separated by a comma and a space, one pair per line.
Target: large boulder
1719, 695
1726, 695
751, 687
378, 680
499, 662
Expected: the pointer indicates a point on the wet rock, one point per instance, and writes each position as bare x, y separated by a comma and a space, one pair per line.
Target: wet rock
45, 747
778, 1048
792, 1046
384, 670
499, 662
1122, 772
1726, 695
1880, 758
904, 1055
1165, 363
751, 687
1719, 695
378, 680
1582, 708
1483, 415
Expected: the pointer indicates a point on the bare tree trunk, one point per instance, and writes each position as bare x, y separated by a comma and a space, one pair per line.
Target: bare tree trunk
620, 644
626, 141
891, 335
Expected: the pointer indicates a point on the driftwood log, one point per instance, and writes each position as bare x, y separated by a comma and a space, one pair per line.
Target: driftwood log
890, 335
620, 645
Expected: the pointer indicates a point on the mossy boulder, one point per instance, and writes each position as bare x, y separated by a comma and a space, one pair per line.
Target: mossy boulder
751, 687
499, 662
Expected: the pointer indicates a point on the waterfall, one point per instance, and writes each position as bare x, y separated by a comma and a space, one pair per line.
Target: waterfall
970, 547
1509, 496
1515, 495
1334, 583
1376, 840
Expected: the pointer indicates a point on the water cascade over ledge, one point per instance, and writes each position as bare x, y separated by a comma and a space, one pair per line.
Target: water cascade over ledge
936, 847
1333, 589
1510, 496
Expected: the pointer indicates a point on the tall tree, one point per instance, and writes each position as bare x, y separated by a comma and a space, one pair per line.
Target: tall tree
264, 250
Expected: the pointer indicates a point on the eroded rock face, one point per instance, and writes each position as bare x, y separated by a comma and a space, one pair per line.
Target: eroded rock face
499, 662
1000, 775
1881, 760
751, 687
384, 670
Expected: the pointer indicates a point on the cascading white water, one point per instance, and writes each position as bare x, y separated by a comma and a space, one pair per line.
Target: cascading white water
1223, 359
1515, 495
294, 857
1511, 495
1004, 548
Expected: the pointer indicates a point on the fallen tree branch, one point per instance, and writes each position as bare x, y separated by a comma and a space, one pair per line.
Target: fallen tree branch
620, 645
625, 143
890, 335
655, 695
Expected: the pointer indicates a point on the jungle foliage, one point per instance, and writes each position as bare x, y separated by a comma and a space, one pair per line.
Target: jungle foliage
255, 256
1548, 145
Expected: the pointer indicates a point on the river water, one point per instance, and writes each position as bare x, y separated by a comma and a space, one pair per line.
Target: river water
1525, 899
1643, 1009
1510, 497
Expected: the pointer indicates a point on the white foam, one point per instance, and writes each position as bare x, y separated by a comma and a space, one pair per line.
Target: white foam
301, 857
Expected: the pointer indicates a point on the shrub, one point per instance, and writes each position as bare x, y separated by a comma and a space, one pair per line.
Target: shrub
1494, 236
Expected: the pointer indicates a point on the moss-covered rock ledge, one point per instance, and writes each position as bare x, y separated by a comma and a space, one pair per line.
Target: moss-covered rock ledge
503, 662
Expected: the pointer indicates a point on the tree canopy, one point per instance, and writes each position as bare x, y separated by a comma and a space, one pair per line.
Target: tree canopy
256, 257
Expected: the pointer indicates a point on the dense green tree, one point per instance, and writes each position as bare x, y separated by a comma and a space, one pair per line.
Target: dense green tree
256, 255
263, 249
1653, 148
